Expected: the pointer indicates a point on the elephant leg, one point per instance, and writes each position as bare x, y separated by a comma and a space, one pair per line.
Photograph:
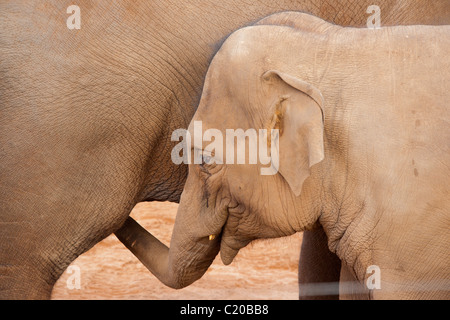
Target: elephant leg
350, 288
32, 257
319, 268
24, 281
53, 221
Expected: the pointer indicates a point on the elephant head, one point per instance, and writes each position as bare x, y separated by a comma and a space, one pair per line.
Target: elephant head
226, 205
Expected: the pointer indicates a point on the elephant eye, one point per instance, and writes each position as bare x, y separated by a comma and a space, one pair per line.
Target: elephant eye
207, 164
206, 160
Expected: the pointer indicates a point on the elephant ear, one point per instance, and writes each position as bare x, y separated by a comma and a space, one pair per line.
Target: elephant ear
297, 114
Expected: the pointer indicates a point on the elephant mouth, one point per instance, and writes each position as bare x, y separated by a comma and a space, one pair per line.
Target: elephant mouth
230, 246
229, 242
227, 252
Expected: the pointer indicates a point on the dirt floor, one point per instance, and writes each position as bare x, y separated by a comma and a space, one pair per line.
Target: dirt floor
263, 270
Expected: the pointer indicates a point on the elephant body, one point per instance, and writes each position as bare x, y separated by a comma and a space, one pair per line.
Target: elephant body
86, 115
363, 150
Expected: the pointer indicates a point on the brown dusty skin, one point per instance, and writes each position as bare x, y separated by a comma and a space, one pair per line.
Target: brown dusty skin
263, 270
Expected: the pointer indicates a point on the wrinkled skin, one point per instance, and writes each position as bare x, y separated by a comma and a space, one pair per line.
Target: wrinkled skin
363, 150
86, 115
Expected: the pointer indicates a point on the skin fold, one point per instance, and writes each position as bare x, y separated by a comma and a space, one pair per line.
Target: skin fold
363, 151
86, 115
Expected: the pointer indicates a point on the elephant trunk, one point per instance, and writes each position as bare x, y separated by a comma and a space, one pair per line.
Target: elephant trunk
153, 254
191, 251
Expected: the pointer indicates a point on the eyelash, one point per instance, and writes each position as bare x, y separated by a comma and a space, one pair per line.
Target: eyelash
206, 166
206, 162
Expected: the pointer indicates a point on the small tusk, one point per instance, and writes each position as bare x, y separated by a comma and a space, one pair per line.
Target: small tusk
212, 237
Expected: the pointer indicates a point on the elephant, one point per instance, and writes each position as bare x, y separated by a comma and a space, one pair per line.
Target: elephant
359, 143
86, 114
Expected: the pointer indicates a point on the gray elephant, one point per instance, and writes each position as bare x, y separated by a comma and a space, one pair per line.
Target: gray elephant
361, 146
86, 115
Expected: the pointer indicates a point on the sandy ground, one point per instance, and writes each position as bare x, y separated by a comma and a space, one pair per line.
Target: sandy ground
263, 270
